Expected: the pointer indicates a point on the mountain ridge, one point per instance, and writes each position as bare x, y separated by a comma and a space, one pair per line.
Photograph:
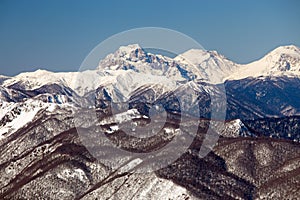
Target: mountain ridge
205, 65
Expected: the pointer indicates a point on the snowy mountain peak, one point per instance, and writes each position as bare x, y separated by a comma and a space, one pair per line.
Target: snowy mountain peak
288, 53
193, 56
38, 78
212, 66
129, 52
289, 50
197, 56
125, 56
284, 60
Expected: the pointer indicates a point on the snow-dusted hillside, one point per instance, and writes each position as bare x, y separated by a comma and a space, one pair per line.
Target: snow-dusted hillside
15, 116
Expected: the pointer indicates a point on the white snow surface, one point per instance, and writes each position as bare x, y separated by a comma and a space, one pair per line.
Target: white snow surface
282, 61
22, 113
209, 65
122, 117
27, 113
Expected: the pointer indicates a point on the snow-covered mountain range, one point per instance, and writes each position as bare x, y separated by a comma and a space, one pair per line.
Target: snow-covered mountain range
129, 62
131, 73
41, 148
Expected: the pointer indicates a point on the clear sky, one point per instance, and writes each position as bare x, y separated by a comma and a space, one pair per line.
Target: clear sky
58, 34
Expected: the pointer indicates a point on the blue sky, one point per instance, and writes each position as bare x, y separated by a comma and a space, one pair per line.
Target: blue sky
58, 34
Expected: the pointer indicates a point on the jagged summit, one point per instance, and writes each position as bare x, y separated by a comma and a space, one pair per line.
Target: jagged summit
123, 56
129, 48
206, 65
